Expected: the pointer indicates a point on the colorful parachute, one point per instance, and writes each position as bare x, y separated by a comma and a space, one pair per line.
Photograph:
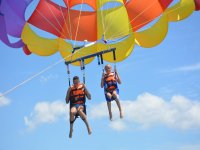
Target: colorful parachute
102, 28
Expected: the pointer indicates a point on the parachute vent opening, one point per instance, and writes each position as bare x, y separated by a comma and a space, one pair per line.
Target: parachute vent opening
59, 2
30, 9
76, 43
117, 40
150, 24
13, 39
173, 3
83, 7
110, 5
42, 33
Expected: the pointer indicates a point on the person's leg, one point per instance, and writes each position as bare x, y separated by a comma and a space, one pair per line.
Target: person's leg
109, 96
115, 96
73, 112
84, 118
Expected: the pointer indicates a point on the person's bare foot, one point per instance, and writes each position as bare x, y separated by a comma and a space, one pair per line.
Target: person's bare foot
89, 131
70, 133
121, 115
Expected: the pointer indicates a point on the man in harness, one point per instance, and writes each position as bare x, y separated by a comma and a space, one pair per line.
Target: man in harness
76, 96
109, 82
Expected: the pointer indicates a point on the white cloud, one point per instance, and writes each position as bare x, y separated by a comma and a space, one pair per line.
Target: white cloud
4, 101
118, 125
146, 111
149, 110
193, 67
46, 112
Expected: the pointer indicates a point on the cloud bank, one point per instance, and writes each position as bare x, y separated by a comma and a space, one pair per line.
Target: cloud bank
149, 110
145, 112
45, 112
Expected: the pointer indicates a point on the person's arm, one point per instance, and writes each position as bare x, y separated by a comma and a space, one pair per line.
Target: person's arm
68, 94
87, 93
102, 80
117, 77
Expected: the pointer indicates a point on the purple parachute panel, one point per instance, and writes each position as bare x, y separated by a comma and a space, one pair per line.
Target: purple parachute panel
12, 20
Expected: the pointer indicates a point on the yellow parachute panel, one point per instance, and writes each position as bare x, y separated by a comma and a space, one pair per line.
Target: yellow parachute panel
154, 35
100, 3
123, 49
38, 45
64, 48
113, 23
180, 11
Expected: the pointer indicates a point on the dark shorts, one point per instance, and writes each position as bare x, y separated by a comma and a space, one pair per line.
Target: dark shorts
112, 98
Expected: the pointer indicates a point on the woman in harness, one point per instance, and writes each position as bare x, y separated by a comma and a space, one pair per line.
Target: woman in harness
109, 82
76, 95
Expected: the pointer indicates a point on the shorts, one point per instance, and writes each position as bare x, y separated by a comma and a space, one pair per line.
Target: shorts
77, 105
112, 98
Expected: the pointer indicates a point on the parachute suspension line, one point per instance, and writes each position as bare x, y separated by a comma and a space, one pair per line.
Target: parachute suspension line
48, 68
100, 62
101, 56
105, 14
78, 23
69, 19
35, 75
49, 22
98, 54
145, 22
102, 20
65, 23
146, 9
111, 18
98, 59
82, 65
54, 16
68, 72
115, 66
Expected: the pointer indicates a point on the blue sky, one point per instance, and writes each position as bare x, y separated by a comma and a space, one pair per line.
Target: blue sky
160, 97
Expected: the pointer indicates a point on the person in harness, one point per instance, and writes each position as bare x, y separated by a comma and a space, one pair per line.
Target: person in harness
76, 96
109, 82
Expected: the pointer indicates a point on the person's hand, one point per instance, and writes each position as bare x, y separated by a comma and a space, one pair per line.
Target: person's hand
89, 97
115, 70
103, 75
84, 85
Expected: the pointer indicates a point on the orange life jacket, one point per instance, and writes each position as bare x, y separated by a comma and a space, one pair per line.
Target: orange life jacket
77, 94
110, 83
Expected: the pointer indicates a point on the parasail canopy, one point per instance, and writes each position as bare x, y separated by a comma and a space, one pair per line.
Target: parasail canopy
111, 24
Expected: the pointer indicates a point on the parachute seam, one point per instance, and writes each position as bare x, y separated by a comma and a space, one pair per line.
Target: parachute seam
136, 17
49, 22
69, 19
65, 24
54, 16
77, 28
119, 35
51, 66
111, 22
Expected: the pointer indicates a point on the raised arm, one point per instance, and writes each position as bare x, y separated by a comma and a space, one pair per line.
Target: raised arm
102, 80
67, 95
117, 77
87, 93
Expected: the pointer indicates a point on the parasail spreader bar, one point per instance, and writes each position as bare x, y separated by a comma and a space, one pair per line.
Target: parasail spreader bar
81, 59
